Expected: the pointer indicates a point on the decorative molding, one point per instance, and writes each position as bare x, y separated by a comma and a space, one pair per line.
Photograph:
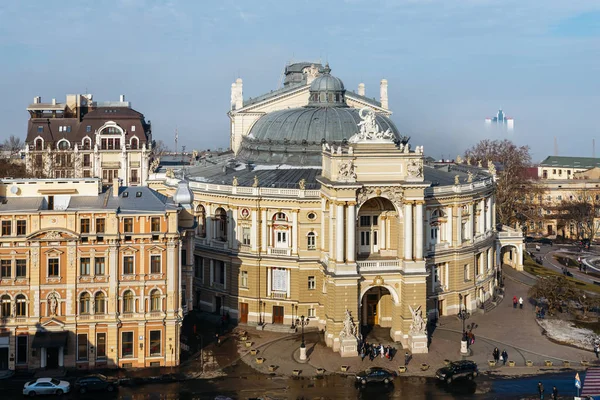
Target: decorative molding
346, 171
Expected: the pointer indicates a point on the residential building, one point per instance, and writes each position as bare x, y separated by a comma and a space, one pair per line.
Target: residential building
562, 168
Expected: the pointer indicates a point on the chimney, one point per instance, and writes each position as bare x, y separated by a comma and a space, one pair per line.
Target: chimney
116, 187
361, 89
239, 100
122, 98
37, 100
53, 102
383, 95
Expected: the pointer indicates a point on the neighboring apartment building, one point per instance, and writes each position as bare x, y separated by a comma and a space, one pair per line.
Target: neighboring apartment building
555, 167
82, 138
89, 276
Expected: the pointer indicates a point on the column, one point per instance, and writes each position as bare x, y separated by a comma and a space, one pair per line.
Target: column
419, 230
459, 225
493, 202
231, 228
449, 225
295, 231
289, 283
469, 234
482, 217
339, 233
263, 232
268, 281
382, 232
43, 357
331, 249
408, 231
209, 223
253, 230
61, 356
351, 232
488, 214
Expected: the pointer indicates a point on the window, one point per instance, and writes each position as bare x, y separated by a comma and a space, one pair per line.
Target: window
5, 306
127, 344
21, 308
155, 264
6, 228
86, 160
312, 216
311, 313
134, 176
99, 266
244, 279
21, 349
133, 130
88, 128
155, 224
280, 217
84, 303
63, 145
155, 343
82, 347
246, 236
155, 300
84, 266
281, 237
40, 129
127, 265
311, 241
100, 225
86, 173
99, 303
198, 267
128, 302
128, 225
312, 283
53, 268
365, 220
101, 345
21, 268
134, 143
5, 269
466, 272
21, 227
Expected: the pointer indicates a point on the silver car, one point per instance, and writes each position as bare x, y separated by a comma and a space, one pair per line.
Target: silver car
46, 386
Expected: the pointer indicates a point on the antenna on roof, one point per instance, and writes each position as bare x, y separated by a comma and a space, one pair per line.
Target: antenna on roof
594, 148
555, 147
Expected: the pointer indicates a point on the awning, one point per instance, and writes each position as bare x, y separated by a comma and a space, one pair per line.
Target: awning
49, 339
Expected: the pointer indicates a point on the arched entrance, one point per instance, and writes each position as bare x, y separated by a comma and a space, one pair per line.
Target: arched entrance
375, 229
509, 254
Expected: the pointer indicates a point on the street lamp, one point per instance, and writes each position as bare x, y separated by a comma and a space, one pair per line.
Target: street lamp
302, 322
463, 315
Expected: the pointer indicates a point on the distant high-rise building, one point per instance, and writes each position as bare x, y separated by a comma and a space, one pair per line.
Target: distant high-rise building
501, 119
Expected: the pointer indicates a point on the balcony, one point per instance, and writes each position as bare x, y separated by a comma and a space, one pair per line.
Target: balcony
218, 244
378, 265
279, 295
280, 252
218, 286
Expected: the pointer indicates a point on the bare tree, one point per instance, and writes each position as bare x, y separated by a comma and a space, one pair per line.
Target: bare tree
13, 144
578, 213
515, 191
159, 148
556, 290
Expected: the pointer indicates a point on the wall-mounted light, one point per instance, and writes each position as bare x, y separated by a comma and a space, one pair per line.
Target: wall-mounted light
141, 346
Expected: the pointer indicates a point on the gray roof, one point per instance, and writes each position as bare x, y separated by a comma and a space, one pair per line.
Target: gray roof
571, 162
328, 83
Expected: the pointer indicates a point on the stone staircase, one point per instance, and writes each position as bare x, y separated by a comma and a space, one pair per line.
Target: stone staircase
492, 303
281, 328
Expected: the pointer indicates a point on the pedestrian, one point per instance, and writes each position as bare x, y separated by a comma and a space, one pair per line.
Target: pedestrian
541, 390
521, 303
392, 353
515, 301
554, 393
218, 338
596, 349
585, 268
406, 358
381, 350
363, 353
496, 354
504, 357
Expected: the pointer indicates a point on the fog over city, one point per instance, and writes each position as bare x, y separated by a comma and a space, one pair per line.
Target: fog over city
449, 63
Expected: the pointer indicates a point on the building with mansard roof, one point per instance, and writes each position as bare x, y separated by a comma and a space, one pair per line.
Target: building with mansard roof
325, 209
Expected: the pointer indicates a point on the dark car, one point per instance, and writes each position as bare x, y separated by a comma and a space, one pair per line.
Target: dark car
94, 383
544, 241
457, 369
375, 374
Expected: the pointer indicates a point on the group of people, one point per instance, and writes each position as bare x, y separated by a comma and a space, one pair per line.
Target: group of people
500, 356
540, 312
517, 301
373, 351
541, 391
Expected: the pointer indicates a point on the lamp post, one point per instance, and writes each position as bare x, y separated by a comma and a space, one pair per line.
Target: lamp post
463, 315
260, 321
302, 322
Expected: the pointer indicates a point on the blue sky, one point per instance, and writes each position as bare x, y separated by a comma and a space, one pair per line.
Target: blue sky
449, 63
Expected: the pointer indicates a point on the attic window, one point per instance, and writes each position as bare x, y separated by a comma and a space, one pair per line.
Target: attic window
125, 194
138, 194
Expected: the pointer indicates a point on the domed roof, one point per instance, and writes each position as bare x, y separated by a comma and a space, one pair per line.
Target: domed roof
327, 82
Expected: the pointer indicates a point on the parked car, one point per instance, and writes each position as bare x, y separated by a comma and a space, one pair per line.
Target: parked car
94, 383
375, 374
457, 369
545, 241
46, 386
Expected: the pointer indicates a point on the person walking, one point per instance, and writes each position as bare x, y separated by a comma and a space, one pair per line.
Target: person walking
496, 354
381, 350
521, 303
515, 301
406, 358
504, 357
541, 390
554, 393
596, 349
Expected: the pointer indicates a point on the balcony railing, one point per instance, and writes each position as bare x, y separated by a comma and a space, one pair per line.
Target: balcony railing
218, 286
378, 265
276, 251
279, 295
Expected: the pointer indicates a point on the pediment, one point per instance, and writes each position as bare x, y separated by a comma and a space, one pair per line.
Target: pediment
53, 324
156, 249
53, 252
54, 235
128, 250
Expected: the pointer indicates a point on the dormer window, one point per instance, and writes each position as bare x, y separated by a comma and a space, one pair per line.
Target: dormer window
63, 145
134, 143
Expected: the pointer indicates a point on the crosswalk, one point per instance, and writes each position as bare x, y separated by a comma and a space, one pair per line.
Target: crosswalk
591, 383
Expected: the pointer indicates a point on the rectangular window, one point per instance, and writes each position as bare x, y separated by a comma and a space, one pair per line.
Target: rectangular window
86, 160
86, 173
246, 236
101, 345
466, 272
244, 279
84, 266
85, 225
6, 228
100, 225
21, 349
311, 242
312, 283
198, 267
155, 224
128, 225
82, 347
5, 269
21, 268
88, 128
132, 128
155, 343
21, 227
127, 265
99, 266
311, 313
134, 176
53, 269
40, 129
127, 344
155, 264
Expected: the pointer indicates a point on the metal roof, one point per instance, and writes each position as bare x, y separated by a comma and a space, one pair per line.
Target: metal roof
571, 162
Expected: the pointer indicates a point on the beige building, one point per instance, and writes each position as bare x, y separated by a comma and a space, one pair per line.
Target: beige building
326, 210
89, 277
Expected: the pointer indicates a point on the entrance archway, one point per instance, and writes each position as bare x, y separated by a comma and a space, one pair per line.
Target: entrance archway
374, 229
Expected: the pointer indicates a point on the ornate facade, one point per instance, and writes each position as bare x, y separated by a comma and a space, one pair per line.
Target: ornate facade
89, 277
82, 138
327, 211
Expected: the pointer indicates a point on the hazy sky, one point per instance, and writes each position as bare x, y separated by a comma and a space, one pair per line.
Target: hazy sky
449, 63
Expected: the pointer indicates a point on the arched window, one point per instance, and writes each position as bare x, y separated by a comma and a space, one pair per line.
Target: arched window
39, 144
311, 240
5, 306
63, 145
133, 144
221, 224
87, 144
100, 303
280, 217
128, 302
201, 215
155, 300
21, 305
84, 303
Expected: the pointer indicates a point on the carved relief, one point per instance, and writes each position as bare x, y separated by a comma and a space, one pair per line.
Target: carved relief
393, 193
35, 255
415, 169
52, 235
71, 257
346, 171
